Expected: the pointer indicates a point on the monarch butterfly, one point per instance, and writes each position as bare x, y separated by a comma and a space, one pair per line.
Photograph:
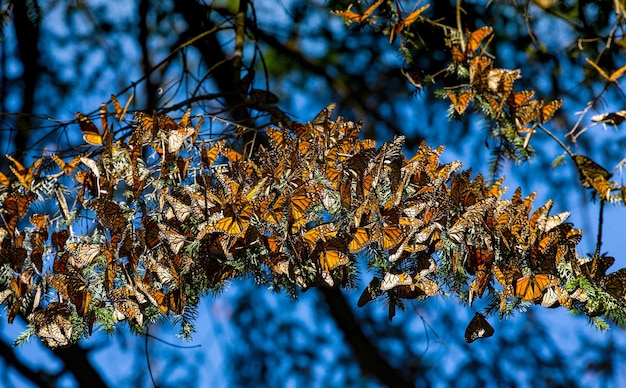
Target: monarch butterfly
479, 285
590, 171
322, 232
549, 109
595, 269
177, 137
371, 292
119, 112
155, 296
83, 253
59, 238
461, 101
330, 259
396, 278
26, 176
526, 113
359, 18
611, 78
615, 118
475, 38
405, 22
53, 324
361, 238
554, 297
110, 215
531, 287
14, 253
615, 284
429, 286
78, 290
496, 106
479, 69
272, 211
125, 307
68, 167
180, 206
391, 236
415, 77
321, 122
16, 205
278, 137
520, 98
155, 122
479, 259
298, 206
478, 328
91, 134
235, 224
501, 81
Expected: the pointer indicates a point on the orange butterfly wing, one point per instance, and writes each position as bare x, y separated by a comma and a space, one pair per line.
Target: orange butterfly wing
91, 134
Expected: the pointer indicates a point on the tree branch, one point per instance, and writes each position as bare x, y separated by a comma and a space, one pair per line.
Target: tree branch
369, 358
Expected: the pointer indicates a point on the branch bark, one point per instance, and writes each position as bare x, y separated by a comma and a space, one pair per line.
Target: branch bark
369, 357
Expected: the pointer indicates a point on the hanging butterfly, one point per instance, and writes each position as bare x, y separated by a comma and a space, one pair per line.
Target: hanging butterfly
549, 109
67, 167
53, 325
475, 38
590, 171
415, 77
119, 111
615, 284
531, 287
478, 328
26, 176
595, 269
91, 133
371, 292
83, 253
520, 98
461, 101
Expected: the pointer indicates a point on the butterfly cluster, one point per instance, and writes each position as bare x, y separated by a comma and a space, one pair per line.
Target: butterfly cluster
492, 89
153, 215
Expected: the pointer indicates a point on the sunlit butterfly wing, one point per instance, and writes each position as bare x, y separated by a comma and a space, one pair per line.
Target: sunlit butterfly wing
531, 287
475, 38
549, 109
520, 98
91, 134
26, 176
461, 101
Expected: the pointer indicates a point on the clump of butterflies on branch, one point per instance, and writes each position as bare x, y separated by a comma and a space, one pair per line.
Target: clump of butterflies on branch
151, 217
156, 213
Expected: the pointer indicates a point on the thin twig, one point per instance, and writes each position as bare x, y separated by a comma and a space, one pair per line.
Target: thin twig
600, 223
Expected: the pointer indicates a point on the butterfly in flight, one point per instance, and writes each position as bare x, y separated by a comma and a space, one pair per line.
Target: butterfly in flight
478, 328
